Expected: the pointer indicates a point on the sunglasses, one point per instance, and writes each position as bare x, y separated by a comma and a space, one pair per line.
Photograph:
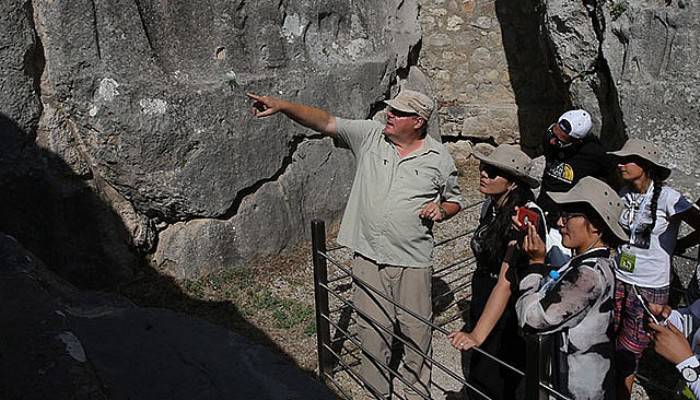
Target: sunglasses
566, 216
400, 114
631, 159
491, 171
565, 126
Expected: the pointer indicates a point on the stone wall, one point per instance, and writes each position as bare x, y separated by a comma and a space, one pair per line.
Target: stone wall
488, 69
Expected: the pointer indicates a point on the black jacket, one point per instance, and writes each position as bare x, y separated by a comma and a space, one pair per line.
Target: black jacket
565, 167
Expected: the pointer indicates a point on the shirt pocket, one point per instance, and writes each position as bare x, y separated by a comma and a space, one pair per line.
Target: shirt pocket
421, 183
376, 169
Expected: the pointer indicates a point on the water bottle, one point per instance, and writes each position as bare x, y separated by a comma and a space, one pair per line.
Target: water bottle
551, 280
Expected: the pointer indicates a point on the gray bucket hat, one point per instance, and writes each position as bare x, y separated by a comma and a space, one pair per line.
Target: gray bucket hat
601, 197
509, 158
412, 102
645, 150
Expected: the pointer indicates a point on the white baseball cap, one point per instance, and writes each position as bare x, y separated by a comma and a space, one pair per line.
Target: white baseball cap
576, 123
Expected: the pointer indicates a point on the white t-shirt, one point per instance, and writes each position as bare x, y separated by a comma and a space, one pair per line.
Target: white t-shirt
643, 262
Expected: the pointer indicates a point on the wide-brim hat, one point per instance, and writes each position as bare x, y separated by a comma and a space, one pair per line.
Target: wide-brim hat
601, 197
512, 160
647, 151
412, 102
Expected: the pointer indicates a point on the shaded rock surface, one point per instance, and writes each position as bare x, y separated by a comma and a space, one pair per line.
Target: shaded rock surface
62, 343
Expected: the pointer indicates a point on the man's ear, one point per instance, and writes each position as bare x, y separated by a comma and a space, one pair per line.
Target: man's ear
420, 123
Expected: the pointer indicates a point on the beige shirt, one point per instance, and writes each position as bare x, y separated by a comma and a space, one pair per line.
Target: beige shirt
381, 219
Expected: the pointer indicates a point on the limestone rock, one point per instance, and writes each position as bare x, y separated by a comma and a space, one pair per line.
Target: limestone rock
461, 152
20, 61
649, 48
484, 148
145, 103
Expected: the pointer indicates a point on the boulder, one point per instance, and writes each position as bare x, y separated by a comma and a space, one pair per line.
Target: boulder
143, 103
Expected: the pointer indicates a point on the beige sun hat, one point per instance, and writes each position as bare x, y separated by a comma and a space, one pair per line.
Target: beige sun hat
412, 102
512, 160
601, 197
647, 151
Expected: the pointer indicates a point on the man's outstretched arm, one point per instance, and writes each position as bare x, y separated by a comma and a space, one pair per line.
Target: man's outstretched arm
310, 117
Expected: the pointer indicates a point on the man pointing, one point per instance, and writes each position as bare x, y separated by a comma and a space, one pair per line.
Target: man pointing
405, 180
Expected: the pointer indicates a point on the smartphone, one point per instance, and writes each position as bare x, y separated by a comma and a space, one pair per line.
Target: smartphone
525, 216
645, 305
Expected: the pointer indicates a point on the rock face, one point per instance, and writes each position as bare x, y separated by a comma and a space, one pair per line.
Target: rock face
140, 108
62, 343
634, 65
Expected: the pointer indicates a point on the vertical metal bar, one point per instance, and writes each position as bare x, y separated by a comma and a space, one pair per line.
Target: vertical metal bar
323, 330
534, 367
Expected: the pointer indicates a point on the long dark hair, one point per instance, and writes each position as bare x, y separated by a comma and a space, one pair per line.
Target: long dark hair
498, 232
651, 172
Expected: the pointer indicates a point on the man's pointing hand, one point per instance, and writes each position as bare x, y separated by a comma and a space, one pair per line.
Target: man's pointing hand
264, 106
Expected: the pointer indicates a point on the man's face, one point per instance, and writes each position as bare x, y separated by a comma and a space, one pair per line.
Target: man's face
560, 134
401, 124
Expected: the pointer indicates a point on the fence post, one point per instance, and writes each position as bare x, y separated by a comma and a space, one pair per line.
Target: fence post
323, 330
535, 367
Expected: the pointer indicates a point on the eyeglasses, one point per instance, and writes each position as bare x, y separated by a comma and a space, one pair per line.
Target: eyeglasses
566, 216
491, 171
400, 114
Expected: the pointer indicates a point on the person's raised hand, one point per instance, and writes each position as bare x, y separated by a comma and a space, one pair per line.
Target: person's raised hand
534, 246
462, 340
670, 343
264, 106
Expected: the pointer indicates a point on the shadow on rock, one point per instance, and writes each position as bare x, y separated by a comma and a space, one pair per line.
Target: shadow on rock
540, 97
62, 339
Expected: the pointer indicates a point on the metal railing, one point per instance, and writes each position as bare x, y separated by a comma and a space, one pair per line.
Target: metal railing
333, 353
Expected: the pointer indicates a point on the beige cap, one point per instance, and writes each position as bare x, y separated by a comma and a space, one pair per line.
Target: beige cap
601, 197
412, 102
509, 158
648, 151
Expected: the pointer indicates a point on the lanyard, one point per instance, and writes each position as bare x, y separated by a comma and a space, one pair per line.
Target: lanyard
638, 217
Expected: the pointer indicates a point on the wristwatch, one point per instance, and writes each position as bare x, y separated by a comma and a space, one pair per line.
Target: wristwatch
443, 212
690, 374
689, 369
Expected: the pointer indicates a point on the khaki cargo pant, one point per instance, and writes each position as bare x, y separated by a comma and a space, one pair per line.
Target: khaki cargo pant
411, 288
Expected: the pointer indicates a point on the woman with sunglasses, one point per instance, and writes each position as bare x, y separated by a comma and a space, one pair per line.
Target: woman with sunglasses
573, 303
652, 216
505, 180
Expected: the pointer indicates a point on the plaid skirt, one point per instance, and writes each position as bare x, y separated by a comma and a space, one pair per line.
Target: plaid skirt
629, 318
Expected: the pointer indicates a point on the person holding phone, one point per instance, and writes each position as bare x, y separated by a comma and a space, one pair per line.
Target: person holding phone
670, 338
575, 307
651, 216
505, 180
